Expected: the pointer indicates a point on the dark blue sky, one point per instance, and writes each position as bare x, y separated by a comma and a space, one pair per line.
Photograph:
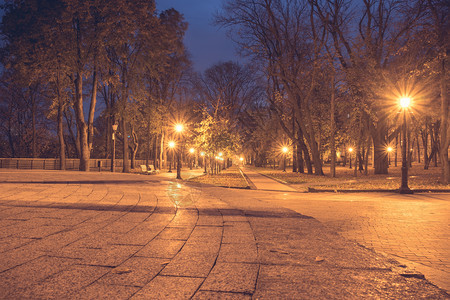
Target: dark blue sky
206, 43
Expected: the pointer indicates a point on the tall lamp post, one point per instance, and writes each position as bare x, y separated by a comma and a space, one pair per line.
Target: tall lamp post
113, 156
171, 146
404, 189
179, 129
285, 151
350, 150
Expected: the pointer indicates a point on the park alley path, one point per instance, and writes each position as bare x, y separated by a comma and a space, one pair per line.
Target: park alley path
78, 235
414, 229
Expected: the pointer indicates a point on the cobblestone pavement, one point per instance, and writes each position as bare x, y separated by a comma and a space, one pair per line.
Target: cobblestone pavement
77, 235
415, 229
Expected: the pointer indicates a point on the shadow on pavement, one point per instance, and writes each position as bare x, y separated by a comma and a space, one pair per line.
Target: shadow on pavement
159, 209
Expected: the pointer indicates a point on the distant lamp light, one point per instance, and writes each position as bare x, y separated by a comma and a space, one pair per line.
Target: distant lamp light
285, 149
179, 127
171, 144
220, 153
350, 149
241, 158
192, 150
202, 153
389, 149
405, 102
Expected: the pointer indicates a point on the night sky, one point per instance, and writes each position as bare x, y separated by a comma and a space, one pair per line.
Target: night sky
206, 43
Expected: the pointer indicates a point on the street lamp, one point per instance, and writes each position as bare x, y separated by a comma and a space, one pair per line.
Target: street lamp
350, 150
285, 151
179, 129
404, 189
171, 146
389, 150
113, 157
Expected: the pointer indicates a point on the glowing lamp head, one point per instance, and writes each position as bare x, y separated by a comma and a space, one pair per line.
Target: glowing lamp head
241, 158
405, 102
202, 153
220, 153
389, 149
350, 149
178, 127
114, 127
171, 144
285, 149
192, 150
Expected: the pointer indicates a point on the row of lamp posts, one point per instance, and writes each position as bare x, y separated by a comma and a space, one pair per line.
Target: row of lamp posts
404, 189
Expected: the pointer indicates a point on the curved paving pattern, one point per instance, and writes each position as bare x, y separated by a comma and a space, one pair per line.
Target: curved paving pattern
119, 236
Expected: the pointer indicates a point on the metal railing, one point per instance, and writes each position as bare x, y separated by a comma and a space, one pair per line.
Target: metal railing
54, 164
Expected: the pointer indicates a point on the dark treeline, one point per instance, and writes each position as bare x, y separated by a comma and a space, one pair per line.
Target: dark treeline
324, 76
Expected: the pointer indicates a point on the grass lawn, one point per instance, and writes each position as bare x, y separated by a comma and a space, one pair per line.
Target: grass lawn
230, 177
345, 179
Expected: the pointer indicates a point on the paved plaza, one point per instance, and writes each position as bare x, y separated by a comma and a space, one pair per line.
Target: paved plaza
414, 229
75, 235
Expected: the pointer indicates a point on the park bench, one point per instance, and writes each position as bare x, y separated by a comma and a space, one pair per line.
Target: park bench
149, 170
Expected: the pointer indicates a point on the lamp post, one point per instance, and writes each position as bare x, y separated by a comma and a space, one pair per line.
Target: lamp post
113, 156
389, 150
404, 189
241, 159
285, 151
350, 150
179, 129
171, 146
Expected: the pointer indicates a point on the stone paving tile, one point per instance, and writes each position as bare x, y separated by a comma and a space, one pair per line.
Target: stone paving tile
138, 236
136, 271
65, 284
208, 295
233, 253
110, 255
14, 281
97, 291
189, 266
17, 256
175, 233
232, 277
208, 220
307, 282
185, 218
169, 287
203, 234
159, 248
13, 242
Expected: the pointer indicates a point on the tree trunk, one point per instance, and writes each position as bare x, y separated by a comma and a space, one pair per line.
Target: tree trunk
396, 148
33, 124
445, 128
92, 108
379, 143
125, 158
60, 124
162, 153
81, 124
155, 152
333, 129
300, 161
